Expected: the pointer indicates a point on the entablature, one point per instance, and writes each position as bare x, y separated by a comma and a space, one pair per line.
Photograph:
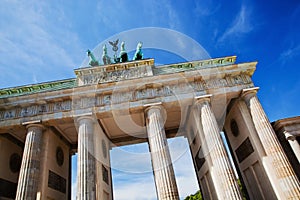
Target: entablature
130, 91
125, 98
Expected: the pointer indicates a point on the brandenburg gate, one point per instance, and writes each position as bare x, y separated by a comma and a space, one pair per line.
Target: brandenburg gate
115, 104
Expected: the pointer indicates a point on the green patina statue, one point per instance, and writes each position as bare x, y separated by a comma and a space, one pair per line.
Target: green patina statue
105, 58
123, 53
115, 48
123, 56
93, 61
138, 53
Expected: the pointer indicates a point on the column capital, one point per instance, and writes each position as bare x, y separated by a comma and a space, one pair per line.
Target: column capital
249, 92
83, 117
150, 106
39, 126
155, 106
35, 123
289, 136
203, 98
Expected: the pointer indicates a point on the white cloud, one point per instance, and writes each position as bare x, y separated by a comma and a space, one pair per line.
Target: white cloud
135, 190
155, 13
39, 44
132, 160
206, 8
173, 17
36, 41
240, 25
130, 185
289, 53
183, 166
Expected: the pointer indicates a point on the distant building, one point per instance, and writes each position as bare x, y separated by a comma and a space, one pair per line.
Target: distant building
288, 133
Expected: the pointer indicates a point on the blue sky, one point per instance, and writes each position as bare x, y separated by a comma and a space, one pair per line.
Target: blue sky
45, 40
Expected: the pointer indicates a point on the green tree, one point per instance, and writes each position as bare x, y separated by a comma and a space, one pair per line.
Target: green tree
196, 196
242, 189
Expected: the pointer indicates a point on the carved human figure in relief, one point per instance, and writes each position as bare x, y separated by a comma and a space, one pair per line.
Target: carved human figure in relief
106, 59
138, 53
123, 53
93, 61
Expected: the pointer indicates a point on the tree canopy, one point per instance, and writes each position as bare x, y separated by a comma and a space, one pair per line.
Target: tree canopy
196, 196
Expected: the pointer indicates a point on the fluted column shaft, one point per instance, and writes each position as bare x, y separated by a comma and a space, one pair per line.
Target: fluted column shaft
86, 185
225, 183
30, 167
293, 143
289, 184
165, 182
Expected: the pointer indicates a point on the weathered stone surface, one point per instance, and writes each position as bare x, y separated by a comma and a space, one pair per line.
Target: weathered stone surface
288, 133
119, 92
86, 184
222, 174
161, 160
30, 167
284, 175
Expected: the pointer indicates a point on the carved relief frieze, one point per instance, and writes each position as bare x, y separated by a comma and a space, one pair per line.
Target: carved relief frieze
116, 75
35, 110
106, 99
28, 111
117, 97
88, 102
120, 97
163, 91
8, 114
62, 106
43, 108
76, 103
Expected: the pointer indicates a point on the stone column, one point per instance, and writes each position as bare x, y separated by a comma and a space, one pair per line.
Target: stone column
284, 174
293, 143
30, 167
86, 185
224, 181
165, 182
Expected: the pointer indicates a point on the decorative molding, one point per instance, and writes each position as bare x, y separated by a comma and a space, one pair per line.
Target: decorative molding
115, 75
113, 67
31, 122
114, 72
181, 67
249, 90
118, 97
153, 104
41, 87
206, 96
